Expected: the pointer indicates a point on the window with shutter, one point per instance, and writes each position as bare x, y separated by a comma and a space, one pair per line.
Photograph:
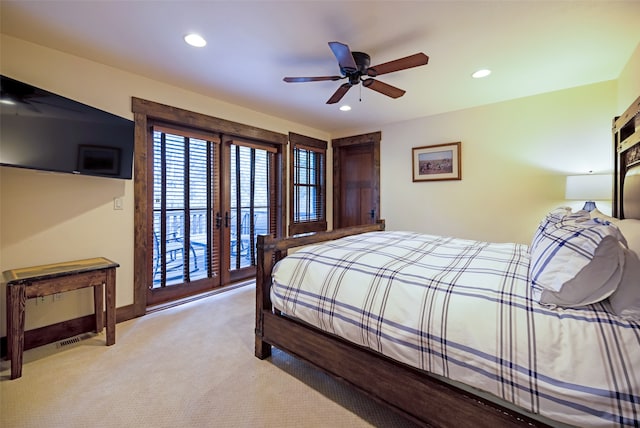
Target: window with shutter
308, 184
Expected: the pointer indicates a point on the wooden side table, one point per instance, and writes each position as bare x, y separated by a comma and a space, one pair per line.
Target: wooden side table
37, 281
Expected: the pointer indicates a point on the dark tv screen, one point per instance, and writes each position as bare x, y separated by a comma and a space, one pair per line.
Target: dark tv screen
44, 131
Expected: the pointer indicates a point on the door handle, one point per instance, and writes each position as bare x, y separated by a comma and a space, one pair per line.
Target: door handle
218, 220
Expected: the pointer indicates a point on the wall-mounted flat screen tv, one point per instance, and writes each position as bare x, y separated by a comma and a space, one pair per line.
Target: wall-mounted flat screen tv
44, 131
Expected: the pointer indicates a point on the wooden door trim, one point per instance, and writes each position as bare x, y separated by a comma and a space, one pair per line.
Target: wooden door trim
338, 144
144, 111
202, 121
373, 137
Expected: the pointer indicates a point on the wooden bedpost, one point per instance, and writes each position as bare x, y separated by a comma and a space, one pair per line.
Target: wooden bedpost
263, 286
271, 250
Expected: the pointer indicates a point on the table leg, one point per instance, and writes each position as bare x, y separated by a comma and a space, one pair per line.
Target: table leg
98, 306
16, 302
9, 321
111, 306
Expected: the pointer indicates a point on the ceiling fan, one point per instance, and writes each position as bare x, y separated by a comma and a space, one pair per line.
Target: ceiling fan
355, 65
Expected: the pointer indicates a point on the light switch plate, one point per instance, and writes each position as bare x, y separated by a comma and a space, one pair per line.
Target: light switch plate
117, 203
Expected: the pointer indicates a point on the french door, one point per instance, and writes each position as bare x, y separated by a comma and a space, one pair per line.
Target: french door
251, 205
212, 196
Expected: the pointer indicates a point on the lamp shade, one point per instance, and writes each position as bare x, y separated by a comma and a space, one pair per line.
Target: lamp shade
591, 187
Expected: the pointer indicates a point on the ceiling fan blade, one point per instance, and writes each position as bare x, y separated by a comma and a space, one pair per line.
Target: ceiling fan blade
344, 56
383, 88
311, 79
337, 96
410, 61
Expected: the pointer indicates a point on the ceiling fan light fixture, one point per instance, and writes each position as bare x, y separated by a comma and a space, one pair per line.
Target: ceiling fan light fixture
481, 73
195, 40
355, 65
345, 108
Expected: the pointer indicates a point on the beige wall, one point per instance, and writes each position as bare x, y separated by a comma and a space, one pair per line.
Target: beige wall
515, 156
629, 82
51, 217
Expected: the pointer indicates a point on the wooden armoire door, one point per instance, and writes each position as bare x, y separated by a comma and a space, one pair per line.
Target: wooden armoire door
356, 179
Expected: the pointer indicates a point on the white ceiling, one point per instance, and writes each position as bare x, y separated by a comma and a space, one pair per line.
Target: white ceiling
531, 46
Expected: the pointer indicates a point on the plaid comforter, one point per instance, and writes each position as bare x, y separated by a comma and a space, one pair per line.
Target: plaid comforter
463, 310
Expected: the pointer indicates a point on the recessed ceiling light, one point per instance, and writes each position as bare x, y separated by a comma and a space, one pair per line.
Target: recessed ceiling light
481, 73
195, 40
345, 108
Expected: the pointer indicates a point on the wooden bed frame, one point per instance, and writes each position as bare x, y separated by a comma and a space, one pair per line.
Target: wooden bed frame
626, 150
417, 395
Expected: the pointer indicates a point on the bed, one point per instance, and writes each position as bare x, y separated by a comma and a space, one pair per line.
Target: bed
454, 332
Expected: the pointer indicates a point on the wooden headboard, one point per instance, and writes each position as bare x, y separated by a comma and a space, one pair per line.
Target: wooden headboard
626, 146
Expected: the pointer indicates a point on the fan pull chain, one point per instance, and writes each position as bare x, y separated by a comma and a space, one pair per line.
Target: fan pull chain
360, 97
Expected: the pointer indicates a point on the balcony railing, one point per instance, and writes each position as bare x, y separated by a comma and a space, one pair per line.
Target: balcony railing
240, 246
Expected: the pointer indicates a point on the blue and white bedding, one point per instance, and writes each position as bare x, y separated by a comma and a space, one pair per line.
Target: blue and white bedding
464, 310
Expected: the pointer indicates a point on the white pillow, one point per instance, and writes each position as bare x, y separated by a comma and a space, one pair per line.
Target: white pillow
630, 228
575, 262
625, 301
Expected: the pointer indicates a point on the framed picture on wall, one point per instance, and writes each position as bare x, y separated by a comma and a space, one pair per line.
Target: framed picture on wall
437, 162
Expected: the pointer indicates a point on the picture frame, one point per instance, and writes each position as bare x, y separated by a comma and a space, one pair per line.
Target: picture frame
437, 162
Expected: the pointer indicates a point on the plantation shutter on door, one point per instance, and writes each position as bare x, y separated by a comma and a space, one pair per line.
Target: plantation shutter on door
253, 199
185, 195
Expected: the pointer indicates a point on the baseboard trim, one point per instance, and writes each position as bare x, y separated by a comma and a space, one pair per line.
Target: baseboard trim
64, 330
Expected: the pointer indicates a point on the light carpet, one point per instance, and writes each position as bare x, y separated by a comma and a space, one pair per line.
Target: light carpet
191, 365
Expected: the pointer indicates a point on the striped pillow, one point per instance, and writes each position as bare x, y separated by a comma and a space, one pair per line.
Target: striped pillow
575, 261
562, 214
